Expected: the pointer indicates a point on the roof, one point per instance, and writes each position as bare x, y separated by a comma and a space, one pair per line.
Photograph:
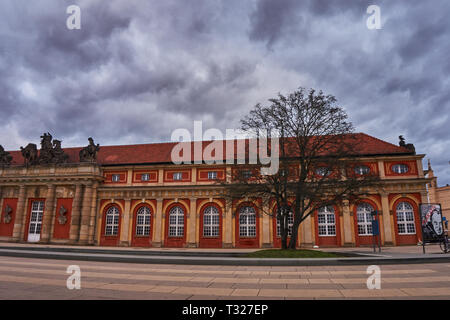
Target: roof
154, 153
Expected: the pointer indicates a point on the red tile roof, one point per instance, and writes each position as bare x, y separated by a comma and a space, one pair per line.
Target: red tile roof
161, 152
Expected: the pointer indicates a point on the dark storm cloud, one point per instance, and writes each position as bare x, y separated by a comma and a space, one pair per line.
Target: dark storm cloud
138, 70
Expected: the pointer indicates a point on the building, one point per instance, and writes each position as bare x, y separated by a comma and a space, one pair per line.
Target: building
133, 195
437, 194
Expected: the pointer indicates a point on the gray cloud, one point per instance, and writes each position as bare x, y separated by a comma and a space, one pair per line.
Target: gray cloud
138, 70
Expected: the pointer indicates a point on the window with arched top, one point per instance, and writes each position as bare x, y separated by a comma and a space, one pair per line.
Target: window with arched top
247, 222
405, 218
112, 221
211, 222
326, 221
364, 217
176, 222
143, 218
290, 223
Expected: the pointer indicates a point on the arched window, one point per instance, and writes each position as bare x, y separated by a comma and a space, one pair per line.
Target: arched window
405, 218
247, 222
176, 222
364, 217
290, 223
112, 221
326, 221
211, 222
143, 218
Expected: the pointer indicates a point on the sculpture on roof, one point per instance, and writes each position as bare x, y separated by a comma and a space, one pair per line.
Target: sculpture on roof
89, 153
50, 153
409, 146
5, 157
58, 153
30, 154
46, 152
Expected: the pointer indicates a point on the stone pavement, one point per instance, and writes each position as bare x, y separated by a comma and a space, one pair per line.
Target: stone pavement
25, 278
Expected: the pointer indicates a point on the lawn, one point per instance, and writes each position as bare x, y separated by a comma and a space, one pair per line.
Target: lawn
299, 253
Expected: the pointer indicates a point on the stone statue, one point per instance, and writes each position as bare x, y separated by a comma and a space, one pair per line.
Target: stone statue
409, 146
7, 216
30, 154
46, 152
62, 219
58, 153
89, 153
5, 157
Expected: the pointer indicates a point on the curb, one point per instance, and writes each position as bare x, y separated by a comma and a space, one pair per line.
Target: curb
228, 261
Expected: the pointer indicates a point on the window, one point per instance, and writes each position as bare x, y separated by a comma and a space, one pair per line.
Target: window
37, 210
405, 218
212, 175
290, 223
211, 222
247, 222
145, 177
112, 221
284, 172
176, 222
143, 218
246, 174
326, 222
362, 170
400, 168
177, 176
323, 171
364, 217
115, 178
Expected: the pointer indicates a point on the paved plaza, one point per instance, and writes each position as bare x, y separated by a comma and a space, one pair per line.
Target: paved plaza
27, 278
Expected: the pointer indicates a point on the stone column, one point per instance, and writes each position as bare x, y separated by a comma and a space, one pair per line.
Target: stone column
309, 239
265, 234
157, 242
347, 223
386, 219
20, 219
49, 211
1, 204
93, 217
192, 224
75, 218
228, 227
85, 215
124, 226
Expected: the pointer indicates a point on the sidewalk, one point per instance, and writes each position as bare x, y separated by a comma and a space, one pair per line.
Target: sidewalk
196, 256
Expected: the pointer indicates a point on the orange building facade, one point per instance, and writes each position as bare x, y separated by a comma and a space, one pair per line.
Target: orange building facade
135, 196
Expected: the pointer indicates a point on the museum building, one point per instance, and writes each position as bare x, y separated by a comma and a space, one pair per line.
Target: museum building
134, 195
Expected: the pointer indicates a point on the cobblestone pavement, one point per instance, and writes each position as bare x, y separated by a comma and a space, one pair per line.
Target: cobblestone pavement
24, 278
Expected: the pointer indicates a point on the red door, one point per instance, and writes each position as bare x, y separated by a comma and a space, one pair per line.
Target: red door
142, 226
406, 222
247, 227
110, 235
210, 226
327, 227
175, 226
362, 214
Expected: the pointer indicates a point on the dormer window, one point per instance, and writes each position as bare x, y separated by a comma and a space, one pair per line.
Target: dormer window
115, 178
362, 170
145, 177
212, 175
400, 168
177, 176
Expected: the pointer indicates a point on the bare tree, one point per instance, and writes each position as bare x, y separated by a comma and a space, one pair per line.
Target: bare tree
318, 156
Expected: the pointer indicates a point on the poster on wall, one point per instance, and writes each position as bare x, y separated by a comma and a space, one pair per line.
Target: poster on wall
432, 225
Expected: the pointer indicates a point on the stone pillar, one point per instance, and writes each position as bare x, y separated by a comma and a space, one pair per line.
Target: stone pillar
157, 242
309, 239
386, 219
20, 220
265, 234
48, 214
124, 226
1, 204
75, 219
347, 223
93, 217
228, 227
192, 224
85, 215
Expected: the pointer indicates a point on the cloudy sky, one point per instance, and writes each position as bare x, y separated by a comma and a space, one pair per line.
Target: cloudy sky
137, 70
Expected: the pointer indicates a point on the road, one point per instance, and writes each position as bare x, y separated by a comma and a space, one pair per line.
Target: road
26, 278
